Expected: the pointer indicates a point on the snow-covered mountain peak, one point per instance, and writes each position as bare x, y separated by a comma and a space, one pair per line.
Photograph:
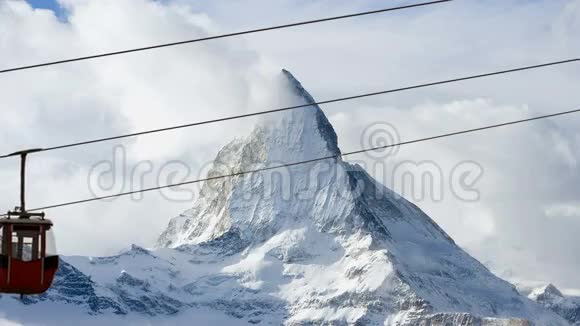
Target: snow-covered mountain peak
313, 113
329, 240
546, 292
567, 306
301, 133
257, 205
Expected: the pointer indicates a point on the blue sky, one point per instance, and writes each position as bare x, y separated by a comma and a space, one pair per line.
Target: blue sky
49, 4
45, 4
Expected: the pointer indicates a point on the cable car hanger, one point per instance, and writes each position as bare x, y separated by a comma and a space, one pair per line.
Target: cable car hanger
20, 211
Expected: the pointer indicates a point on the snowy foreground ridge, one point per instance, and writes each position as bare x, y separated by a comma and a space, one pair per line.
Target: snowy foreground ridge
315, 244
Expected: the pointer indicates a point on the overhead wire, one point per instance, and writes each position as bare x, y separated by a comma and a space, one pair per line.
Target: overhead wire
341, 99
242, 173
252, 31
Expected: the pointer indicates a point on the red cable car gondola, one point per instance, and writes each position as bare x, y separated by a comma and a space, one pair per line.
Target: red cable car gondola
26, 266
28, 261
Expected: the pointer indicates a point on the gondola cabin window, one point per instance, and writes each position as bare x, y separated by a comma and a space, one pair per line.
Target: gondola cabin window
26, 243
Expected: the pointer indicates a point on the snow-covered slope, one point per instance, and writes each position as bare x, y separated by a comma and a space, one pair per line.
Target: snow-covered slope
314, 244
566, 306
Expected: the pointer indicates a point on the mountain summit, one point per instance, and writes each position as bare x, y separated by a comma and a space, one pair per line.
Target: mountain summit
259, 205
330, 241
320, 243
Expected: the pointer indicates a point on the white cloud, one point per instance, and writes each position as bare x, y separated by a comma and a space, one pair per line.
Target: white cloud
117, 95
563, 210
526, 168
